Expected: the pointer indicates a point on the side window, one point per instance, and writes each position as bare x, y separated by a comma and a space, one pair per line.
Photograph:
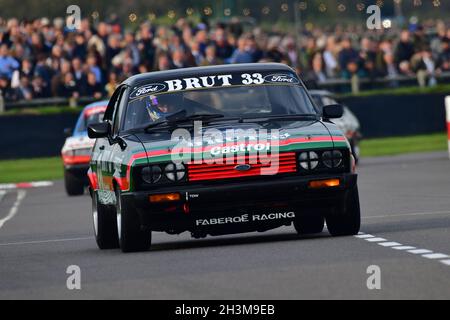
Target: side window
109, 113
120, 106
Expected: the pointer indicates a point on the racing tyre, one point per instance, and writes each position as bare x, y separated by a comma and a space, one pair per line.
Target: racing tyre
309, 224
348, 222
132, 238
74, 185
105, 226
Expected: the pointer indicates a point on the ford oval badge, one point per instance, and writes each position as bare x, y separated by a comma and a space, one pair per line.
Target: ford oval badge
243, 167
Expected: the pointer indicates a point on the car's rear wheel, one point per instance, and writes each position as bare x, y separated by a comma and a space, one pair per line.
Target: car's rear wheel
348, 222
74, 185
132, 238
105, 226
309, 224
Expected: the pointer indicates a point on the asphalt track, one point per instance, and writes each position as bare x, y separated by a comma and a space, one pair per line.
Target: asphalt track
406, 232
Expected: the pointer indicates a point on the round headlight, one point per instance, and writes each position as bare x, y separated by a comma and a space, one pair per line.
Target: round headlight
151, 174
309, 160
175, 172
332, 159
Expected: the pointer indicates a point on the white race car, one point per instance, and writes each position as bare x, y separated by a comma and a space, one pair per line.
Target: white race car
348, 123
76, 152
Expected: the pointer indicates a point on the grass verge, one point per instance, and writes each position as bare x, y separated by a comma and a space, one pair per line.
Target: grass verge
52, 169
401, 145
25, 170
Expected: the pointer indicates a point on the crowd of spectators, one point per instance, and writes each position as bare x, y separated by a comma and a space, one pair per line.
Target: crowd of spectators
42, 58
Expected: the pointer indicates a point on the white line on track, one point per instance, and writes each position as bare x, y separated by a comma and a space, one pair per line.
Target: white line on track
435, 256
2, 194
425, 253
389, 244
12, 212
403, 248
420, 251
375, 239
44, 241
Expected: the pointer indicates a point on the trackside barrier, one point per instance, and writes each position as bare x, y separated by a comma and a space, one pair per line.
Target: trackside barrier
447, 111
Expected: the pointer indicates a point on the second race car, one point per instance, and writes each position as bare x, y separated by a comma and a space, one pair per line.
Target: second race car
76, 152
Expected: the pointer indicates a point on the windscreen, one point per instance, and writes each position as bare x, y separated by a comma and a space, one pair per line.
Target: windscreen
239, 95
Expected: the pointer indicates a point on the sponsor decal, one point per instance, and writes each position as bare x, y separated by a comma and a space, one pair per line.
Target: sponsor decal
240, 148
148, 89
281, 78
224, 80
245, 218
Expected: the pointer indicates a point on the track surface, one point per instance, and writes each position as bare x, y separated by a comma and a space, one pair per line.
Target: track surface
404, 199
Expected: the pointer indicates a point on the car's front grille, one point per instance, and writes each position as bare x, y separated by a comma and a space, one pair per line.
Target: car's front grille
257, 165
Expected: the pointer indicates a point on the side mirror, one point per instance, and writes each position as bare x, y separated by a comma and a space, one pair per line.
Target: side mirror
99, 130
68, 132
333, 111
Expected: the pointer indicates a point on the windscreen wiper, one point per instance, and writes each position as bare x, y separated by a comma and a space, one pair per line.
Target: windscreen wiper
180, 118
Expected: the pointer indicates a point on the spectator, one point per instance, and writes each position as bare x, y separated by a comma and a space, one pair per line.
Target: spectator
93, 88
405, 48
329, 56
211, 58
241, 54
94, 68
40, 88
24, 91
113, 83
222, 47
348, 57
317, 73
7, 63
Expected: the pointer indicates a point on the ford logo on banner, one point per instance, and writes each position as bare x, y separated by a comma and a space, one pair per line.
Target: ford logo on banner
148, 89
281, 78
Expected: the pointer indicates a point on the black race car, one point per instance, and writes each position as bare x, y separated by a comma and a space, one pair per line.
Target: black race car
219, 150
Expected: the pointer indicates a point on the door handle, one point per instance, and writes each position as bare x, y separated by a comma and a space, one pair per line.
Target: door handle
102, 147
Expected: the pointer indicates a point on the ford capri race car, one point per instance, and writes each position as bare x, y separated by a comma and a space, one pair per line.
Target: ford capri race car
219, 150
76, 152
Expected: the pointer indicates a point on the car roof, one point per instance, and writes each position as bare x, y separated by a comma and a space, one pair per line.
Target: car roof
196, 71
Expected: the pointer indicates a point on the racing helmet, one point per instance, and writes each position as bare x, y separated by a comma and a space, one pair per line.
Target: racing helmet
163, 105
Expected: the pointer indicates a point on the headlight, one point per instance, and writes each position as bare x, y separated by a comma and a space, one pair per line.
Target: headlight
308, 160
151, 174
332, 159
175, 172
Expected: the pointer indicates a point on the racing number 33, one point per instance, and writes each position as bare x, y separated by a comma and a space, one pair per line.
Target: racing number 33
256, 78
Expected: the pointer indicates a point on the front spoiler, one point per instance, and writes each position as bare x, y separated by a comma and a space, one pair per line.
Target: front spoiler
233, 199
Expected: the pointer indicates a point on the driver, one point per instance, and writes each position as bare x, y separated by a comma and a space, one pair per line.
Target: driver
163, 105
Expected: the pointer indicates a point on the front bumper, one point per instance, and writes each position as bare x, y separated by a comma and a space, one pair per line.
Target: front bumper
226, 199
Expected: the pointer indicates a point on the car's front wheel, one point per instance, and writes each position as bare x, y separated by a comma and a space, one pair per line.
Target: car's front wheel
132, 238
348, 222
105, 226
74, 185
